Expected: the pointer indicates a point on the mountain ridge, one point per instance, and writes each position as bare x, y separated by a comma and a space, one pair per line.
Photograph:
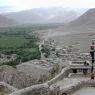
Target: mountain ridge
44, 15
85, 22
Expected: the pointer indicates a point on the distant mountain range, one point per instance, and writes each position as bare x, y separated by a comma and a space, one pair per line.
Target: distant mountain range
4, 21
45, 15
84, 23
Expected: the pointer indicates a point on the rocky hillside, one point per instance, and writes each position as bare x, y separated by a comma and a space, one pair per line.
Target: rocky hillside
84, 23
15, 78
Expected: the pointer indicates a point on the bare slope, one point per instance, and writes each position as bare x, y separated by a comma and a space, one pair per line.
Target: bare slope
84, 23
4, 21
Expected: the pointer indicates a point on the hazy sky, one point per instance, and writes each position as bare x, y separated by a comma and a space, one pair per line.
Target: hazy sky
17, 5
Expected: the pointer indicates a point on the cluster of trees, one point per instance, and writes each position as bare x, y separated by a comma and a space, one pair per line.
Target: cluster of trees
46, 51
24, 52
24, 56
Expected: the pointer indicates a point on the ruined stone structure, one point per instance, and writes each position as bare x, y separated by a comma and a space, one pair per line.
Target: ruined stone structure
49, 87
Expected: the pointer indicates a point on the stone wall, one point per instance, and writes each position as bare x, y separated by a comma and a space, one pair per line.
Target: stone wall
44, 89
60, 76
48, 89
41, 89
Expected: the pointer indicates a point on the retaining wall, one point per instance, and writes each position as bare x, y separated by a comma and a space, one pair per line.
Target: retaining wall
44, 89
47, 89
65, 72
41, 89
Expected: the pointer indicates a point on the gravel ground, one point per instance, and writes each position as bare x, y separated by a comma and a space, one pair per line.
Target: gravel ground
85, 91
80, 40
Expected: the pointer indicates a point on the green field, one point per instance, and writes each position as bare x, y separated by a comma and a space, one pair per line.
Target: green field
19, 41
12, 42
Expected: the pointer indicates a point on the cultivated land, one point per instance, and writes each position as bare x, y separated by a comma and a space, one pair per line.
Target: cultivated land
12, 41
18, 41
